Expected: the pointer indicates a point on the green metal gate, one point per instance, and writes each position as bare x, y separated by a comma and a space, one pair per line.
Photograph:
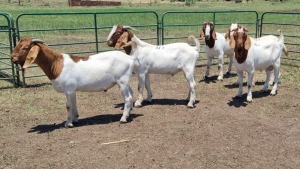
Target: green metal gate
80, 33
191, 22
289, 24
7, 68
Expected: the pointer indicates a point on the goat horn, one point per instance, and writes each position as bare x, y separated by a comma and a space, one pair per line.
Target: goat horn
34, 40
129, 27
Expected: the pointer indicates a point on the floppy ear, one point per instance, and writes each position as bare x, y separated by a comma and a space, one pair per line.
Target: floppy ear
32, 54
214, 35
130, 43
227, 34
247, 43
232, 42
201, 34
122, 40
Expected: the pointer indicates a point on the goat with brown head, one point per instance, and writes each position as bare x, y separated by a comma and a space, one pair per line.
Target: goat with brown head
31, 50
208, 31
231, 29
120, 38
26, 52
240, 42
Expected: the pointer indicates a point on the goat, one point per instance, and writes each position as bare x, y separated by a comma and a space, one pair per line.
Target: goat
166, 59
235, 26
69, 73
216, 46
252, 54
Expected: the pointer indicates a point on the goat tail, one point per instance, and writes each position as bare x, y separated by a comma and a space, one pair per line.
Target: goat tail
281, 40
196, 41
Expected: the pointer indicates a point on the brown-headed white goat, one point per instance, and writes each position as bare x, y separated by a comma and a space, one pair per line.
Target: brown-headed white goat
69, 74
166, 59
216, 46
252, 54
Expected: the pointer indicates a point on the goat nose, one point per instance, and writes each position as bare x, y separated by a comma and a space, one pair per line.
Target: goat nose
14, 60
207, 37
109, 43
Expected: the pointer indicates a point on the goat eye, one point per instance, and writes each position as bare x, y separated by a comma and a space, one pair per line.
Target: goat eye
25, 48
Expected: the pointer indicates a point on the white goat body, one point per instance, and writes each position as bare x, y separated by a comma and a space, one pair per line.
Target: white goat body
216, 46
69, 74
257, 54
166, 59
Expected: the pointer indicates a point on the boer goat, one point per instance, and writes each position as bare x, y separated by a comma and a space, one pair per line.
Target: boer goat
216, 46
69, 74
252, 54
166, 59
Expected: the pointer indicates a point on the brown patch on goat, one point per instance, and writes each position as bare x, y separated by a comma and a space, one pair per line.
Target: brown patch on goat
78, 58
120, 38
227, 34
47, 56
28, 52
240, 42
211, 41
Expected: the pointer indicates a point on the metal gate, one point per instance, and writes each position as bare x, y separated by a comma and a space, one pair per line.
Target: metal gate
7, 68
289, 24
191, 22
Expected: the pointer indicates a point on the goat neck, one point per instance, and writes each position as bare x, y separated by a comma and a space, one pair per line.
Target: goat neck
50, 61
128, 49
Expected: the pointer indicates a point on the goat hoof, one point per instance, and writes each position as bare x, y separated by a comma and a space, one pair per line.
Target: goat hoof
249, 100
206, 77
69, 125
137, 104
190, 105
122, 121
273, 93
220, 79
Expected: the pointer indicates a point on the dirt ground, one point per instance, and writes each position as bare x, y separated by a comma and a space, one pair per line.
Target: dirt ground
220, 132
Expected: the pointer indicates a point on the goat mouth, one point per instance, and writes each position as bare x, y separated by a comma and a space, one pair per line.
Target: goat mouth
15, 61
110, 44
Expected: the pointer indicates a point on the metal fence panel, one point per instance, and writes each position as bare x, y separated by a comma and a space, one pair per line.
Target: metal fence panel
289, 24
7, 70
174, 22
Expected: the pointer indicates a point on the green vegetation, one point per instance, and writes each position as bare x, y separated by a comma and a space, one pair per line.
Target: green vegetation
72, 29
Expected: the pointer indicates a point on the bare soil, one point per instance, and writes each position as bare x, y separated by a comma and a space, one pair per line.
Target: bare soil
220, 132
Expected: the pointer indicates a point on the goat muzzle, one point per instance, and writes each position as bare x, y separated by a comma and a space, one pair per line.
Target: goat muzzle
110, 43
207, 37
15, 60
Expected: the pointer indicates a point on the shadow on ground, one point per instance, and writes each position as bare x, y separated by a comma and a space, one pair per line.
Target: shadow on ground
242, 101
95, 120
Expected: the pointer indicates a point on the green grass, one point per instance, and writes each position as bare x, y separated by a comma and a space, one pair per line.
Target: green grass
79, 27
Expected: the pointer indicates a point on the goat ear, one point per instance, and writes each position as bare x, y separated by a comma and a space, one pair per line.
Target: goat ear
232, 42
130, 43
32, 55
201, 34
247, 43
227, 34
122, 40
214, 35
